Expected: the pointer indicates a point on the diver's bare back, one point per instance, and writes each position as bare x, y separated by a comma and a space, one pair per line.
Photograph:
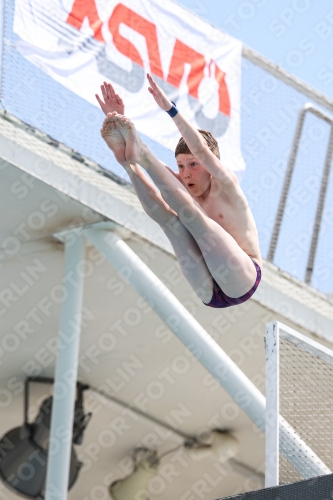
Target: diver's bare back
228, 206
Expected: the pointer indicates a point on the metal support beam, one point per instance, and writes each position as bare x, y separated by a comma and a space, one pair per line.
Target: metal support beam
64, 389
199, 342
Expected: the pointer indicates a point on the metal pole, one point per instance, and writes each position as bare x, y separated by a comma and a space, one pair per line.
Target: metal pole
286, 184
320, 208
272, 346
286, 77
64, 389
199, 342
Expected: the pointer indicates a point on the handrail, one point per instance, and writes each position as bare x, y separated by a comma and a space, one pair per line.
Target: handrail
307, 108
286, 77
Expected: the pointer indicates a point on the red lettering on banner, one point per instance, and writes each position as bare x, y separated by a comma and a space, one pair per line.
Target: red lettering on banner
122, 14
224, 98
82, 9
183, 54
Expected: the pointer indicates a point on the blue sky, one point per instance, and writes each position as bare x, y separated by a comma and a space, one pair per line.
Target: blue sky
296, 34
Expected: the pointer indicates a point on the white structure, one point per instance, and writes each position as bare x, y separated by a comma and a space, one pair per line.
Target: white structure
126, 349
276, 437
65, 377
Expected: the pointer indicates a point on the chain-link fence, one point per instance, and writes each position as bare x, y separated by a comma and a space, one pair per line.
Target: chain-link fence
270, 109
306, 402
299, 399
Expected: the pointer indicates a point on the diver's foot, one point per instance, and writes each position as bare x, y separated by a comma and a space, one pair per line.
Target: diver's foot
134, 145
114, 140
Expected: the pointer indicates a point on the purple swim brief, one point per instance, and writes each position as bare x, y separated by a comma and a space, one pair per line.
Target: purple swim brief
220, 299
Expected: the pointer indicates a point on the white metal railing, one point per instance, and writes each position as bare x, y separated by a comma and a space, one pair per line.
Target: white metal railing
276, 438
308, 108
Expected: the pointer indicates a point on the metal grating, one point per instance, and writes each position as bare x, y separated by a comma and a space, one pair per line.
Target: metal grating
306, 402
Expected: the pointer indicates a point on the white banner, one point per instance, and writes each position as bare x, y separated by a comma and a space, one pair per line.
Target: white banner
81, 43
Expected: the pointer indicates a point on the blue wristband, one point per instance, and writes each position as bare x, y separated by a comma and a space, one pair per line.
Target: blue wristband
173, 110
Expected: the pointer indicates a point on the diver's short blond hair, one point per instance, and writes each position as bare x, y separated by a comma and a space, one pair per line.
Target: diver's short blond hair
182, 147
